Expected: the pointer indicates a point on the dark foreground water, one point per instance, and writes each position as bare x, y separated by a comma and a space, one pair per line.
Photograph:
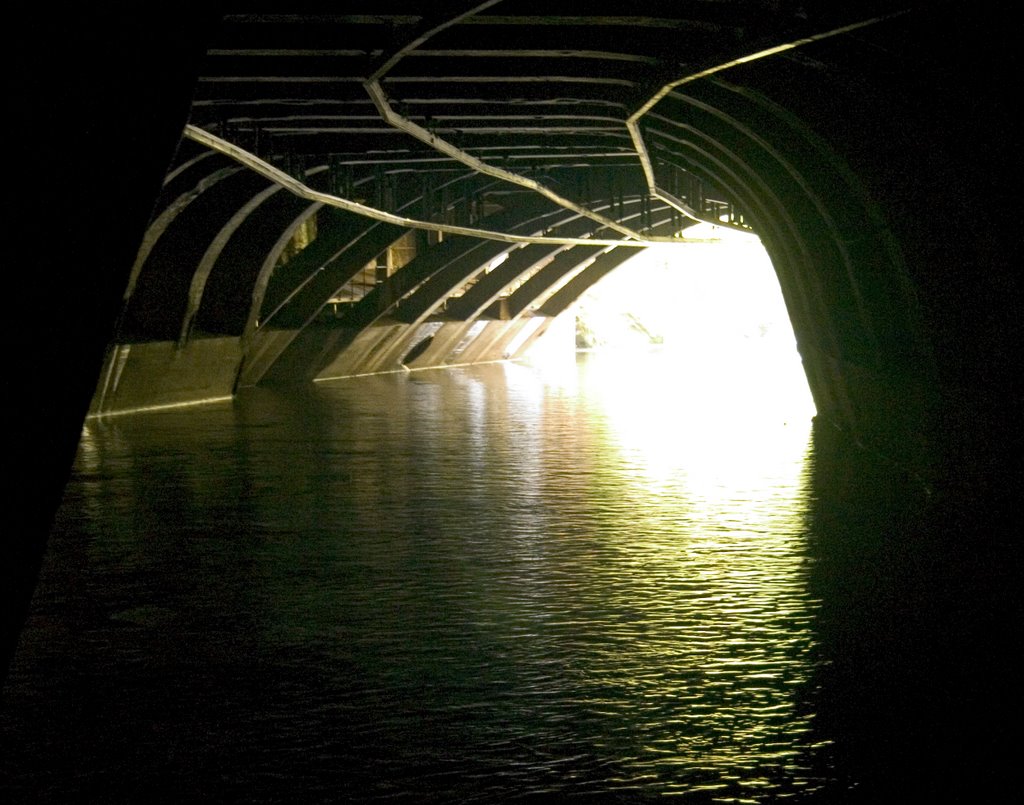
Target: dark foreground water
497, 583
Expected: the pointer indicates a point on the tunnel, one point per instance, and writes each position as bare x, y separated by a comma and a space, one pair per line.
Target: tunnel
263, 196
591, 143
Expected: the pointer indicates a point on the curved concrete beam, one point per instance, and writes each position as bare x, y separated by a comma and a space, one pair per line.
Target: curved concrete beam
479, 297
159, 225
282, 356
268, 266
425, 299
159, 294
293, 185
334, 235
453, 257
792, 257
212, 254
633, 121
771, 161
392, 118
574, 272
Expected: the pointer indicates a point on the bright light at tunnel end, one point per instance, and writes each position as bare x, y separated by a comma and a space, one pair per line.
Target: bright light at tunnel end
711, 307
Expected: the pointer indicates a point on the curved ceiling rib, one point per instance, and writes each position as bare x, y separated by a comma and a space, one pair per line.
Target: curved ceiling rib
384, 107
387, 62
159, 225
633, 121
380, 100
544, 103
213, 252
293, 185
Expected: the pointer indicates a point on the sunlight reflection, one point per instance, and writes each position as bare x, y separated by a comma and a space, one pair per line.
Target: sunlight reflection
705, 412
706, 569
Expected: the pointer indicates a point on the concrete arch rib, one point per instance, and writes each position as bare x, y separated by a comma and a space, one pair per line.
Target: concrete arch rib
270, 263
679, 143
476, 299
720, 149
764, 173
284, 302
793, 258
868, 303
188, 163
569, 274
803, 181
159, 298
876, 266
227, 300
463, 341
493, 342
417, 308
429, 298
213, 253
276, 354
483, 301
160, 223
841, 273
541, 283
288, 298
462, 315
521, 261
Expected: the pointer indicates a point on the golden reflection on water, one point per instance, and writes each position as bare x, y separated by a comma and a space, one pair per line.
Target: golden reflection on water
716, 641
532, 581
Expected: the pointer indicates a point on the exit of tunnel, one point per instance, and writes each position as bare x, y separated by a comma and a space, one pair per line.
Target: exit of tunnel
709, 312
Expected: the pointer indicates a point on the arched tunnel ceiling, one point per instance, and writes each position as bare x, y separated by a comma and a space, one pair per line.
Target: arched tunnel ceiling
410, 150
511, 78
873, 160
507, 121
517, 87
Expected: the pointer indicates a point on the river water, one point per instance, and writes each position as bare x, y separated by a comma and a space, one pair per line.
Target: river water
492, 584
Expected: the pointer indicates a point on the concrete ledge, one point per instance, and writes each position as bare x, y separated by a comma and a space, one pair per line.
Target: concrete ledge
158, 374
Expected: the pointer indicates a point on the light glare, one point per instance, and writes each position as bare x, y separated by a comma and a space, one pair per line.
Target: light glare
716, 310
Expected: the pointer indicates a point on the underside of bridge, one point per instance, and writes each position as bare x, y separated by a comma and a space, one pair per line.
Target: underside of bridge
272, 193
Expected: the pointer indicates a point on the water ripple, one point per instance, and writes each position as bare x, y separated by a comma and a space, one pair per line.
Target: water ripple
460, 586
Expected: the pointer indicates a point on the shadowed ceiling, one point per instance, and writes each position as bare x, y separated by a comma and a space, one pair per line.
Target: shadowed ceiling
549, 96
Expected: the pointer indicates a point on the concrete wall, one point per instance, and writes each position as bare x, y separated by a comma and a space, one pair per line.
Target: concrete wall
159, 374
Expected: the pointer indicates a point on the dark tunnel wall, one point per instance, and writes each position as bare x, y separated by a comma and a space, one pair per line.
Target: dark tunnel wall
101, 100
843, 278
912, 115
875, 168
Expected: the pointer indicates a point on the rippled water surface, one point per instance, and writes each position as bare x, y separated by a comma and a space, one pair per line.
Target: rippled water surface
470, 585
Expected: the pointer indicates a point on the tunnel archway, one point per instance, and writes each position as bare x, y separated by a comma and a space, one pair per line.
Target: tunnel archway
855, 140
727, 144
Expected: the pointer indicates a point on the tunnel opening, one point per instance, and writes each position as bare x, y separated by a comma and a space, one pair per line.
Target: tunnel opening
709, 313
857, 142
